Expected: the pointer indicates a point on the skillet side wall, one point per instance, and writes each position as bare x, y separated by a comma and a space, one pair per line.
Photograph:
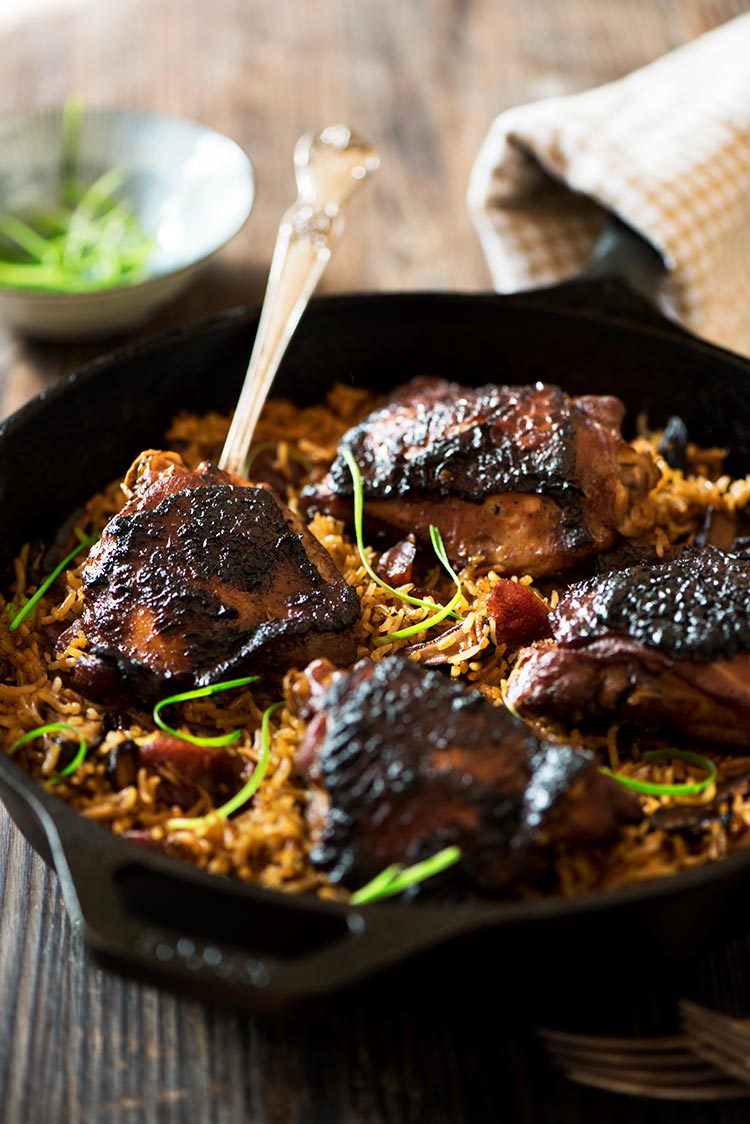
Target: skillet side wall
65, 445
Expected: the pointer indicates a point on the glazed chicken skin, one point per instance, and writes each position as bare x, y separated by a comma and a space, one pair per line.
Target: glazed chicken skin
664, 645
404, 761
202, 576
534, 481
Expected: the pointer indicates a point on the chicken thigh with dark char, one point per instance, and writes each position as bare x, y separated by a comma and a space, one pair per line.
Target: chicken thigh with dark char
203, 576
662, 645
403, 762
527, 477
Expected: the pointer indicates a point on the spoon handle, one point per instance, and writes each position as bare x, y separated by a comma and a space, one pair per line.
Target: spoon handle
329, 167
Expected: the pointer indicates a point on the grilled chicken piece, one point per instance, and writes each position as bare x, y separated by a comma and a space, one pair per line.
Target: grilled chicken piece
404, 762
654, 645
200, 577
529, 478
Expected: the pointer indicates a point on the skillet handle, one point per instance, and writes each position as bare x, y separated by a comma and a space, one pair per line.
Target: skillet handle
325, 947
621, 279
622, 254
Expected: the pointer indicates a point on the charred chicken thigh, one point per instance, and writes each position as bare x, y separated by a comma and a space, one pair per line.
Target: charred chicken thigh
528, 477
660, 644
404, 761
201, 576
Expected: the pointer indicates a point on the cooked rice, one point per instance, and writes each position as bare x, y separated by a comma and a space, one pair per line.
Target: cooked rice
267, 842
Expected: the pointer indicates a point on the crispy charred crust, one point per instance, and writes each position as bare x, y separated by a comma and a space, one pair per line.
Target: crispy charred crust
199, 576
470, 443
412, 762
664, 647
696, 607
527, 478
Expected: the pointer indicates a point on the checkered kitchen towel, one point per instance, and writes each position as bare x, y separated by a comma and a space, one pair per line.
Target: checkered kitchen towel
666, 148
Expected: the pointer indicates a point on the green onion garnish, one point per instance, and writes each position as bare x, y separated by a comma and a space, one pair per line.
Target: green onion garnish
437, 544
90, 240
73, 111
51, 728
441, 614
250, 786
32, 601
358, 517
396, 878
201, 693
27, 239
97, 245
650, 788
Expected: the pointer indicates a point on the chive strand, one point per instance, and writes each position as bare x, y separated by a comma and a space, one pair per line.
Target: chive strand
77, 760
374, 889
255, 780
652, 788
356, 476
250, 786
90, 240
27, 239
36, 597
201, 693
442, 613
438, 546
51, 728
394, 879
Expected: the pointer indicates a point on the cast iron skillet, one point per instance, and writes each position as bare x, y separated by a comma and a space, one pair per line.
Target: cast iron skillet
266, 951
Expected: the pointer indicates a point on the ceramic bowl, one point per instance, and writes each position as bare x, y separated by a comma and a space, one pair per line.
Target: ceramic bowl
191, 187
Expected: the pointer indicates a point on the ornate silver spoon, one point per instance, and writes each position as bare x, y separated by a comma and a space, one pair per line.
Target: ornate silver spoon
329, 167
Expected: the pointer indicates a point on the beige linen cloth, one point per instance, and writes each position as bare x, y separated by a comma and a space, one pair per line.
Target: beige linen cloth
667, 149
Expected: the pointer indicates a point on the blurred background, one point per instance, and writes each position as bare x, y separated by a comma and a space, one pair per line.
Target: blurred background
422, 79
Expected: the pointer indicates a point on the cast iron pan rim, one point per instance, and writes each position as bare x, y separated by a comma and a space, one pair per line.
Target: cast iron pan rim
124, 853
117, 854
99, 367
535, 301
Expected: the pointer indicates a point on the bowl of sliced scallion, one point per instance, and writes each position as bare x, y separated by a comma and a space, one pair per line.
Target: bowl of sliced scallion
106, 214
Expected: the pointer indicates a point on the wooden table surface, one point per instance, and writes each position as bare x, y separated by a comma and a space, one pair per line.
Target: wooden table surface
423, 79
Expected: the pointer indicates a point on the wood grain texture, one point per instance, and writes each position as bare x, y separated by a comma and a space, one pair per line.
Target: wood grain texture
423, 79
